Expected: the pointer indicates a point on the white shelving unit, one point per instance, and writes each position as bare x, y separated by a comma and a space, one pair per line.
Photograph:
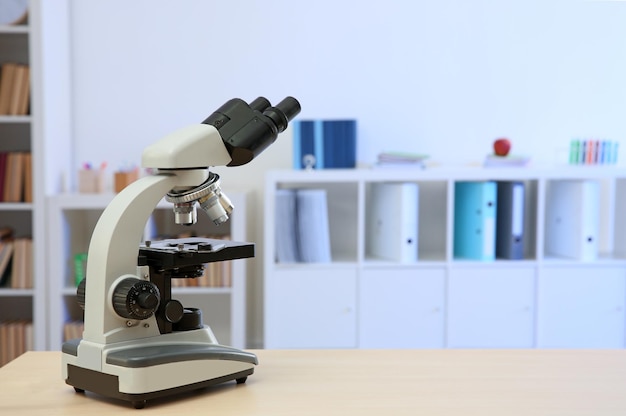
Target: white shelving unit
31, 44
357, 301
72, 218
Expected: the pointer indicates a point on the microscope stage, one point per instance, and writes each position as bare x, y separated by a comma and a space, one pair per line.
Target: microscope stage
181, 252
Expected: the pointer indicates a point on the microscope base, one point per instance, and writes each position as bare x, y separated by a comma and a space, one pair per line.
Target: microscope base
137, 372
108, 385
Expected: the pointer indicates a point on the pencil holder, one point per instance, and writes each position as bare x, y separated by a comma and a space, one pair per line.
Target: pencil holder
90, 181
123, 179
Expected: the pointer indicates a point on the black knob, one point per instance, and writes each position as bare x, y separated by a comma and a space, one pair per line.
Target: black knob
148, 300
172, 311
192, 319
135, 298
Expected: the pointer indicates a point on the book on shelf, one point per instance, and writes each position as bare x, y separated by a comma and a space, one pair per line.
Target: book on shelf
22, 269
14, 89
400, 160
6, 254
16, 263
16, 337
495, 161
16, 179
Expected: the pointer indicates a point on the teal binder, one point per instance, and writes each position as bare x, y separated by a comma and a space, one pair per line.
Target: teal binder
475, 206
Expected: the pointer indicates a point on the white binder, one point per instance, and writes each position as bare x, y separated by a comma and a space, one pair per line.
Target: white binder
313, 226
573, 219
393, 221
286, 226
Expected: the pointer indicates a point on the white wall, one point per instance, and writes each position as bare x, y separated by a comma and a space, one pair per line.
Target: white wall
443, 78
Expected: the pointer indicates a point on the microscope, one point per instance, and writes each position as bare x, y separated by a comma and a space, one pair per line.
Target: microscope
138, 343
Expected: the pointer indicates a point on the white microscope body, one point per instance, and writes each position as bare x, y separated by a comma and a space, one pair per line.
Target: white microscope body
135, 346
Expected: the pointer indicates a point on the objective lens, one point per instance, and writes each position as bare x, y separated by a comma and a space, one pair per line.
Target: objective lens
225, 203
211, 205
185, 213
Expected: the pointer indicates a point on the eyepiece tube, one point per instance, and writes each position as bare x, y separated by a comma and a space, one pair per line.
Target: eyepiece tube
260, 104
290, 107
285, 111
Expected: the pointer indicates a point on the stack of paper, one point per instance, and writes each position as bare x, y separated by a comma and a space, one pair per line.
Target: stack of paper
400, 159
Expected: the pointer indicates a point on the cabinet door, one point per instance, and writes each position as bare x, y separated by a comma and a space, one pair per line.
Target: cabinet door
581, 307
312, 307
491, 307
401, 308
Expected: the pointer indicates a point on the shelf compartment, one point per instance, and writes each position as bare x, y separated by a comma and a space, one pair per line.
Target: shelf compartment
14, 45
426, 218
342, 201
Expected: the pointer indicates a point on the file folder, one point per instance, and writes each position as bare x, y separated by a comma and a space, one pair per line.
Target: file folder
393, 221
313, 232
324, 144
475, 220
573, 219
286, 235
510, 220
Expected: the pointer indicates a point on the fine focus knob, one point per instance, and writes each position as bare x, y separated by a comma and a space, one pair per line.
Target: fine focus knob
135, 298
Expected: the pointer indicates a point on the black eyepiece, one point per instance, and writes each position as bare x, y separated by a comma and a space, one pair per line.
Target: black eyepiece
260, 104
247, 129
290, 107
283, 113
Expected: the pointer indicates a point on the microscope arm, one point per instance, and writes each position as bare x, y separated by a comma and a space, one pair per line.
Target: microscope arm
113, 254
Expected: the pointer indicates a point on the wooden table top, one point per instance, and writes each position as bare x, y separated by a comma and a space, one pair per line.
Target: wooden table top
359, 382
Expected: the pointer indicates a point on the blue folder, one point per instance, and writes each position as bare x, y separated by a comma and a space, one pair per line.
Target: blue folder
324, 144
475, 206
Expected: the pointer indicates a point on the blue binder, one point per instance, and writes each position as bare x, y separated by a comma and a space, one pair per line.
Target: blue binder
510, 220
475, 207
324, 144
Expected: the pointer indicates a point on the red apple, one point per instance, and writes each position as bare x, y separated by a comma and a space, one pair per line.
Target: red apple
501, 146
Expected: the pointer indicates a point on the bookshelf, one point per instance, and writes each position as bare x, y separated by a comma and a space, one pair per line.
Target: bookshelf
442, 301
72, 218
31, 131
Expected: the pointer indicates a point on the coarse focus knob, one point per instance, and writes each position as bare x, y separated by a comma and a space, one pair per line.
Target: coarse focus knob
135, 298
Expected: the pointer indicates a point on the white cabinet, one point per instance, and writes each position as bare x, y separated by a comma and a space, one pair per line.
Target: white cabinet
312, 308
581, 306
72, 218
491, 307
401, 307
539, 300
30, 45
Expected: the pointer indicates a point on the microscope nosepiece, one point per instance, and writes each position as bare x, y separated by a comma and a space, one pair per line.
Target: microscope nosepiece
208, 195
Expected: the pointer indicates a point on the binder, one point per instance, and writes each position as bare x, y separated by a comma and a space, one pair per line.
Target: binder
573, 219
393, 221
313, 226
510, 220
475, 220
324, 144
285, 226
